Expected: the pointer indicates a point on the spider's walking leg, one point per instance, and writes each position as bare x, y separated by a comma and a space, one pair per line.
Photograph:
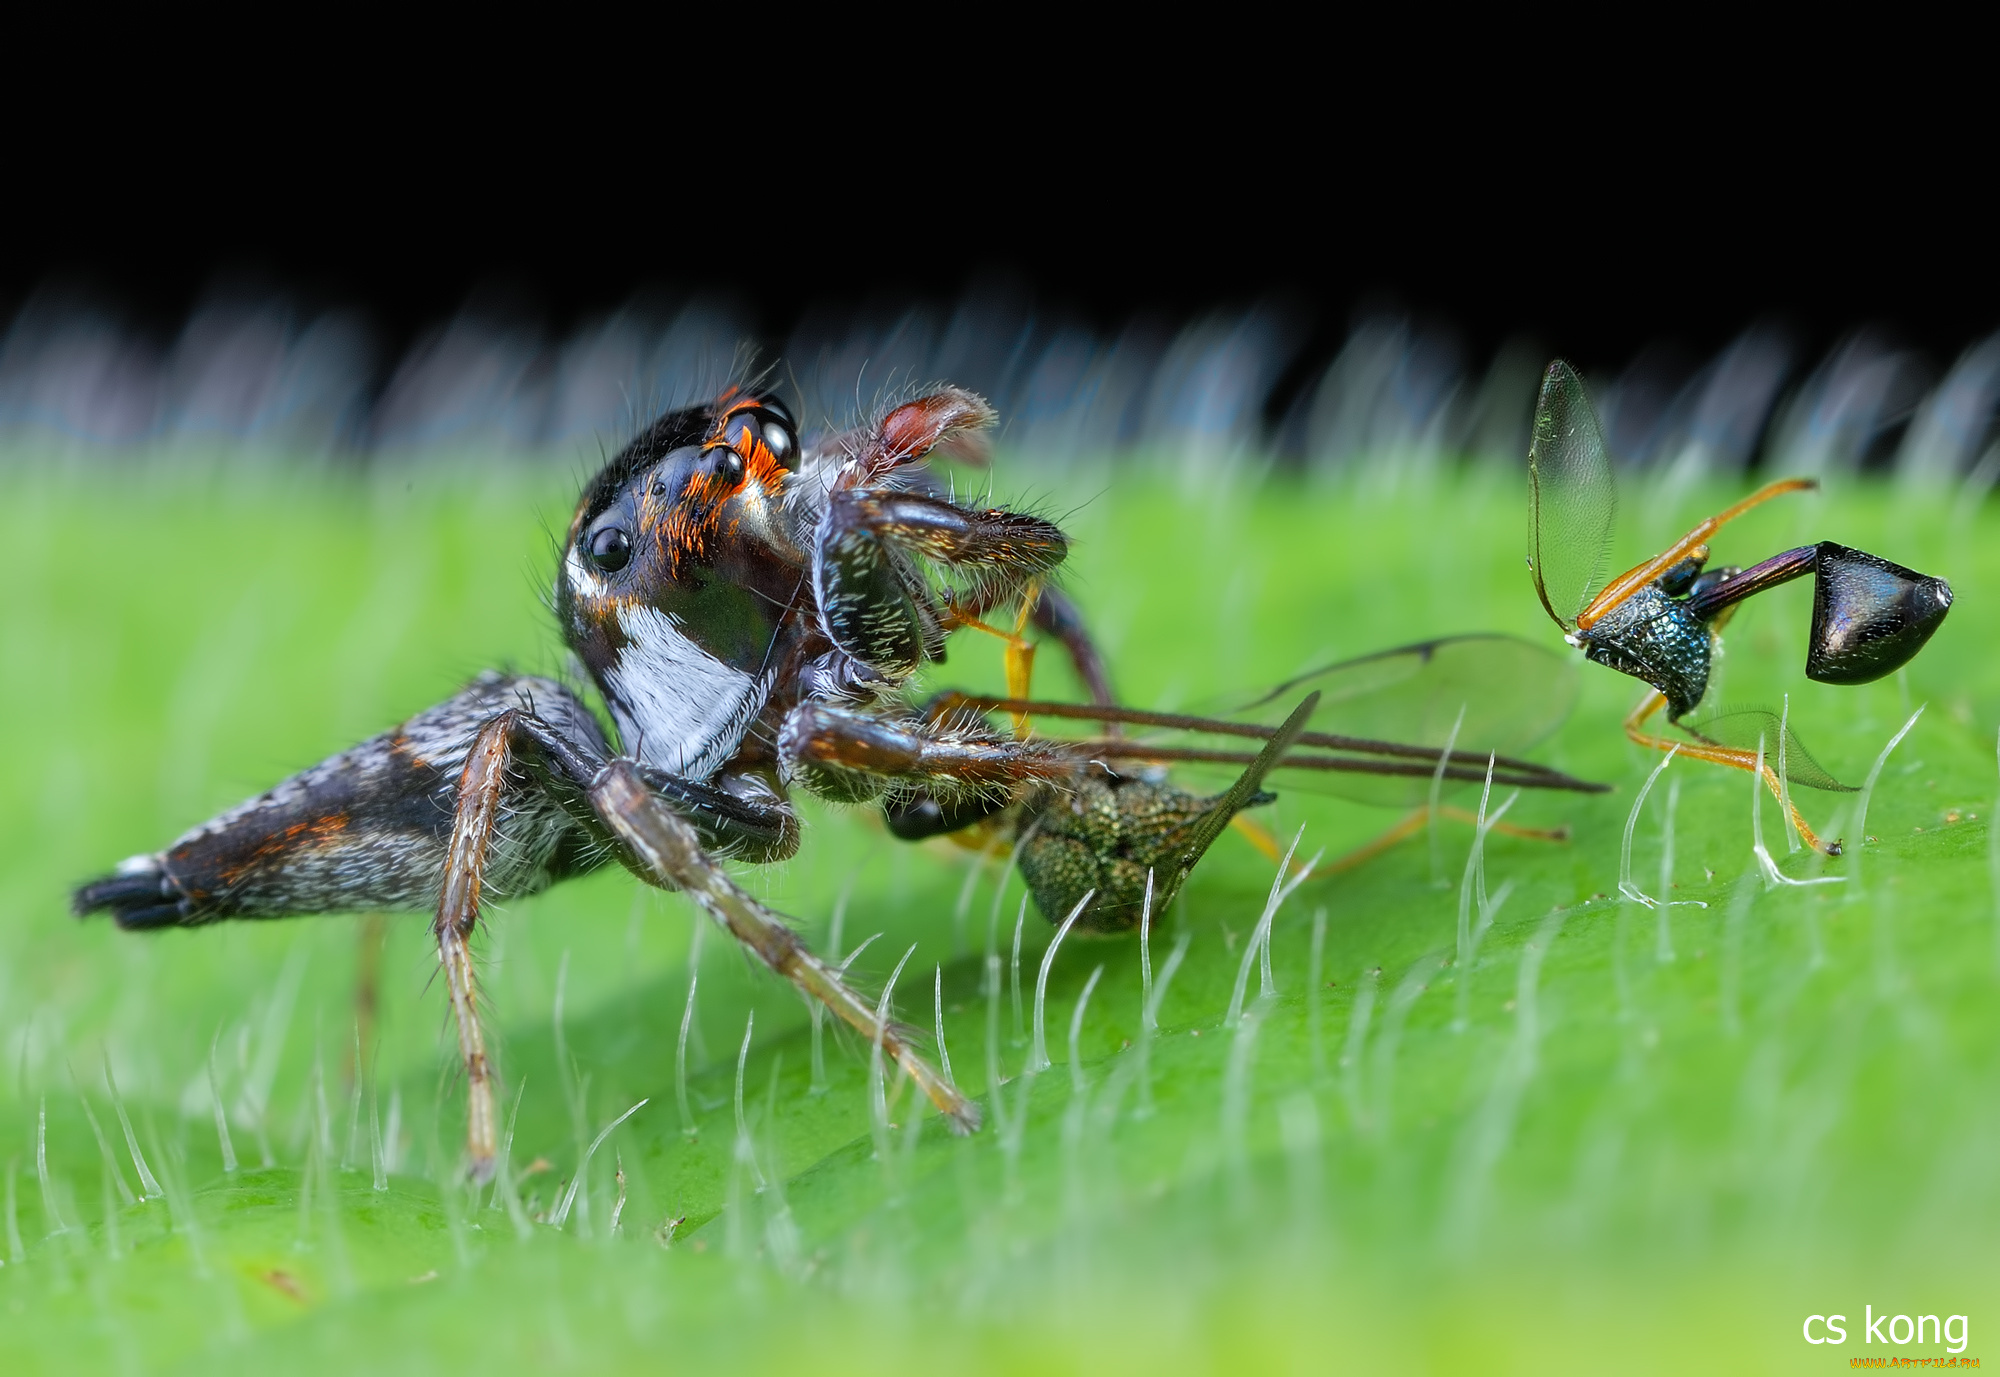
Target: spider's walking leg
668, 847
479, 792
661, 847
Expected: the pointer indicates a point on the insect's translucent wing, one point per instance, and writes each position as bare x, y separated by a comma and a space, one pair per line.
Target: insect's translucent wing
1379, 729
1482, 694
1572, 497
1499, 693
1744, 728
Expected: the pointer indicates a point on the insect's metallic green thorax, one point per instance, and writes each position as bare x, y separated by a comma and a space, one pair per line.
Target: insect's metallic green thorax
1656, 638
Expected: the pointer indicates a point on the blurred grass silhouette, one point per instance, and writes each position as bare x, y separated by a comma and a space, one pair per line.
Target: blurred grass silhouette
1655, 1138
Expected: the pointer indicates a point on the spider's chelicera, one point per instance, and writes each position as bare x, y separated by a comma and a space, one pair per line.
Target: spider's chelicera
750, 609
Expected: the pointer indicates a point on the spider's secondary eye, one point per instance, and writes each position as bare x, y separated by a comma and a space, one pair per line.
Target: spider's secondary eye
610, 549
779, 441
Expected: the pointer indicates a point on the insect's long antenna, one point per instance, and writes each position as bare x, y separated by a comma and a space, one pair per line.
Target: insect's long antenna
1118, 749
1221, 727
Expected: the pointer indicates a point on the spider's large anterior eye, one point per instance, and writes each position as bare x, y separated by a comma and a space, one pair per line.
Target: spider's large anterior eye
610, 548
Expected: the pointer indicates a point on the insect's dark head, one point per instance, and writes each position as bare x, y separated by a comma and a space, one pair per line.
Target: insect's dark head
689, 520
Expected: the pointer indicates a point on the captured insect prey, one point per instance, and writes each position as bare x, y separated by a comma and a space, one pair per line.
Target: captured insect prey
750, 608
1658, 622
1410, 722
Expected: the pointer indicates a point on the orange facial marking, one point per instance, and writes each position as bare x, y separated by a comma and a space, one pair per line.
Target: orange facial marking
689, 521
695, 516
682, 525
759, 464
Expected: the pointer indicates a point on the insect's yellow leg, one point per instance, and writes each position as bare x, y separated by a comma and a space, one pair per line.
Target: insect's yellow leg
1734, 757
1259, 836
1806, 834
983, 837
1020, 657
1368, 851
1635, 721
1505, 828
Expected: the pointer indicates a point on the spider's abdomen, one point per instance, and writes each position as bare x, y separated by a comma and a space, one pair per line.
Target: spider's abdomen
364, 829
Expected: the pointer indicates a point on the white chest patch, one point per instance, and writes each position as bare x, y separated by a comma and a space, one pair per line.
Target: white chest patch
678, 707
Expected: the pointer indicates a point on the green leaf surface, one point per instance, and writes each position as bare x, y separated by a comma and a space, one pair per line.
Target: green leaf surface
1606, 1137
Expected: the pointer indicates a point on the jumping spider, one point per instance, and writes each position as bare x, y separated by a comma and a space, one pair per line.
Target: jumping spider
750, 609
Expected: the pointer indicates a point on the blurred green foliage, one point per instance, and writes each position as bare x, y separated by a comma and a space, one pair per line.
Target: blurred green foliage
1619, 1139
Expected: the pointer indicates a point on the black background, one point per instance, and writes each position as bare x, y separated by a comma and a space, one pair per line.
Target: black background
1655, 254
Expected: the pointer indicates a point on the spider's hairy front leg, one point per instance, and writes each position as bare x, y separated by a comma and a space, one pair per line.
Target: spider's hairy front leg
866, 578
941, 775
854, 756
